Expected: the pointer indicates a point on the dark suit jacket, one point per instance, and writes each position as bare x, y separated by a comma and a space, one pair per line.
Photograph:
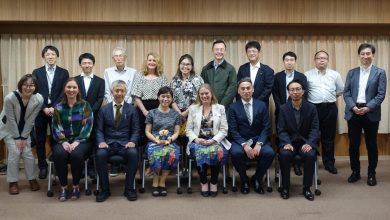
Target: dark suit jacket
127, 131
307, 130
239, 128
375, 92
95, 93
279, 88
263, 82
60, 76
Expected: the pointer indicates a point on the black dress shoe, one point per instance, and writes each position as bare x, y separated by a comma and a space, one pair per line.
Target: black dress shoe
285, 194
331, 169
245, 188
102, 196
131, 195
259, 187
297, 170
371, 181
355, 176
308, 194
42, 173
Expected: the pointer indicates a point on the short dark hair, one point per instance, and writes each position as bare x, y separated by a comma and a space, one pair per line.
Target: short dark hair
87, 56
24, 79
253, 44
50, 47
218, 42
296, 81
366, 45
245, 79
321, 51
291, 54
164, 90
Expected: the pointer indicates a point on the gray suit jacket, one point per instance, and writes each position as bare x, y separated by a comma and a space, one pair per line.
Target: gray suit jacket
12, 112
375, 92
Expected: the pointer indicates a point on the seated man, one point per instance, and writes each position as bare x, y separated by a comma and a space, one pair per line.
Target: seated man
117, 134
249, 128
298, 130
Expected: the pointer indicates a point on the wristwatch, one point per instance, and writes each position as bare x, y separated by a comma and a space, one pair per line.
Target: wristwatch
259, 143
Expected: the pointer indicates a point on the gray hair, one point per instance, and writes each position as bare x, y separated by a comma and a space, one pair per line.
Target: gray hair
118, 48
117, 83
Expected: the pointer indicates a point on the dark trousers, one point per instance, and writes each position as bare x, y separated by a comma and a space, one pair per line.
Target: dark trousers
41, 123
308, 158
355, 126
131, 157
203, 173
239, 159
327, 116
76, 159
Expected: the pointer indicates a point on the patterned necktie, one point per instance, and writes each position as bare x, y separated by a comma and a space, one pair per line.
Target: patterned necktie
117, 114
248, 113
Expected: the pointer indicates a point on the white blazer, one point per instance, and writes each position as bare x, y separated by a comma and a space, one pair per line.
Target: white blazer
220, 125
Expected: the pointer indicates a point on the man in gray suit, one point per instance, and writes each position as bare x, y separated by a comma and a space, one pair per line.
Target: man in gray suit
364, 92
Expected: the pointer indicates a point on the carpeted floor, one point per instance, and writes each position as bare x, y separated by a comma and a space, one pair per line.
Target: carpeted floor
339, 200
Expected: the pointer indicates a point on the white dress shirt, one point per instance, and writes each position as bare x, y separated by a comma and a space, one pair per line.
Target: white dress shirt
87, 81
254, 69
323, 87
289, 78
50, 77
363, 78
112, 74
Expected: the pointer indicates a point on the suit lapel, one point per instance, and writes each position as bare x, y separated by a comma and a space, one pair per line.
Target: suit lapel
258, 75
91, 86
372, 75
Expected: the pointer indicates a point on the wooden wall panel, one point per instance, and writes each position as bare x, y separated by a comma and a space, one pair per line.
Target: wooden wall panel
204, 11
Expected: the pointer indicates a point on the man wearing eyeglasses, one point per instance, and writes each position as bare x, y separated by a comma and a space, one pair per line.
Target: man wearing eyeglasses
298, 135
324, 86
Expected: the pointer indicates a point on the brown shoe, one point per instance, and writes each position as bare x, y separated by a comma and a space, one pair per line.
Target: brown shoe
34, 185
13, 188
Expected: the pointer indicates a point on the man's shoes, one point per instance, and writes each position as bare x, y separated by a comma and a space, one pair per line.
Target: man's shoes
308, 194
13, 188
285, 194
114, 170
245, 188
103, 195
332, 169
42, 173
371, 181
259, 187
297, 170
34, 186
131, 195
75, 193
64, 195
355, 176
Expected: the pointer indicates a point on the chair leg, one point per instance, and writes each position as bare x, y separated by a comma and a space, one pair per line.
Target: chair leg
189, 188
87, 190
234, 187
49, 180
317, 191
142, 189
224, 189
179, 191
269, 187
280, 180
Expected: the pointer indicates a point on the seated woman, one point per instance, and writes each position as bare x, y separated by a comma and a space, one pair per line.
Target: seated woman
72, 125
206, 130
162, 129
21, 107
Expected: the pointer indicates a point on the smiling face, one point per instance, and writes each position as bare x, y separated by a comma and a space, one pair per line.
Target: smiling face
151, 62
366, 57
28, 88
86, 66
245, 89
119, 93
165, 99
289, 63
185, 67
295, 91
219, 51
253, 55
119, 59
205, 96
50, 57
71, 89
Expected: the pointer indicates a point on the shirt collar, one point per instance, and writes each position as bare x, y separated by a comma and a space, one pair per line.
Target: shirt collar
257, 65
368, 69
119, 71
319, 72
250, 101
47, 68
87, 76
289, 74
122, 103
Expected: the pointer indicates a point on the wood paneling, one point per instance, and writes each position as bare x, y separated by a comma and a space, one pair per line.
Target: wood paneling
203, 11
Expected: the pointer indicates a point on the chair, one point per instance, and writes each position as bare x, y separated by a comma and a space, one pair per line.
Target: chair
51, 173
317, 182
234, 187
117, 159
144, 160
189, 188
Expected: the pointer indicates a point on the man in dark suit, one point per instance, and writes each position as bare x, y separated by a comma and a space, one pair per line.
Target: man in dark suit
364, 91
51, 79
298, 130
117, 134
249, 128
92, 90
261, 75
280, 93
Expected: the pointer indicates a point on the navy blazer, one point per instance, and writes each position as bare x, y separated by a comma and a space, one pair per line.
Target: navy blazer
128, 129
95, 94
263, 82
307, 130
239, 128
60, 76
279, 88
375, 92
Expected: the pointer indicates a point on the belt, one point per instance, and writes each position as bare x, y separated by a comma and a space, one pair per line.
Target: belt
324, 104
361, 105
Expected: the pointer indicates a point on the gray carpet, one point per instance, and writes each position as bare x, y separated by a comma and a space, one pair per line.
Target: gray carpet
339, 200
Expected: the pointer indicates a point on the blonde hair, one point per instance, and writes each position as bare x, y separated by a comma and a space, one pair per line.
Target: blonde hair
214, 99
159, 67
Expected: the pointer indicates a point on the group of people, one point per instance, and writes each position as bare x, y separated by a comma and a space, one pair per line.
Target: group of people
144, 111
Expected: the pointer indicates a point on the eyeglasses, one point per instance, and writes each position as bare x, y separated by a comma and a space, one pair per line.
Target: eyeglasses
321, 58
295, 90
185, 64
28, 85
